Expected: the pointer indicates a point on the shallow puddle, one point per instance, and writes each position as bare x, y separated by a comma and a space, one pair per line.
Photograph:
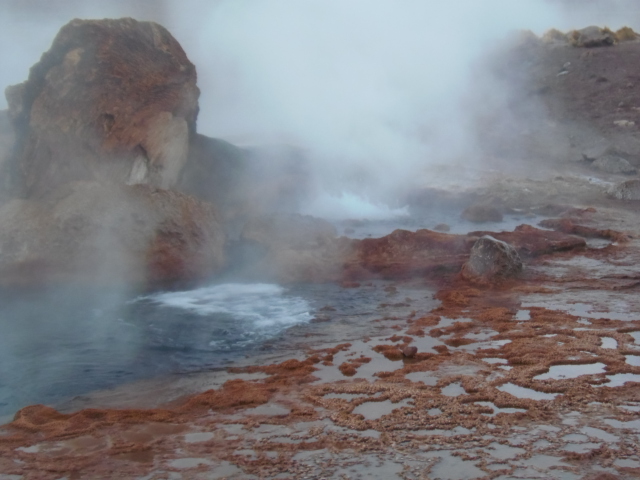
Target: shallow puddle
497, 410
558, 372
620, 379
608, 342
504, 452
600, 434
376, 410
633, 360
423, 377
453, 390
522, 392
495, 360
453, 468
198, 437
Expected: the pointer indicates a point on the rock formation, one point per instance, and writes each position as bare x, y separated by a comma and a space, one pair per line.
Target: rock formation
112, 100
103, 126
491, 260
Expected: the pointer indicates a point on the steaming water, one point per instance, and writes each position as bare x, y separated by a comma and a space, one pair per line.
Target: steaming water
243, 313
62, 343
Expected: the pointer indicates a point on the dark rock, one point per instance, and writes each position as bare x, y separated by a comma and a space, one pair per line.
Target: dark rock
614, 164
491, 259
481, 214
410, 351
442, 227
112, 100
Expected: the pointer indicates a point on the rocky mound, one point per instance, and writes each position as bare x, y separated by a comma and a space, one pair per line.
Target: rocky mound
112, 100
100, 134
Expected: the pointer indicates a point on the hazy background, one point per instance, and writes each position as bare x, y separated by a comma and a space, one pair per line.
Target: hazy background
372, 89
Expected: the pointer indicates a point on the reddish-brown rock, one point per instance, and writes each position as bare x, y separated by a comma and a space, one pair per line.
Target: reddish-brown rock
491, 260
112, 100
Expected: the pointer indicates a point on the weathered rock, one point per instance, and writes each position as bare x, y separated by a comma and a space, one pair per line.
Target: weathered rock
91, 232
592, 36
112, 100
614, 164
629, 190
532, 242
491, 260
566, 225
410, 351
404, 254
482, 214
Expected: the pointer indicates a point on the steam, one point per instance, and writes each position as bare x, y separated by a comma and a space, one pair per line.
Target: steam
378, 91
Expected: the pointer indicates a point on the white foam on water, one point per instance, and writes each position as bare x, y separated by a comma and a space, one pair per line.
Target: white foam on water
264, 305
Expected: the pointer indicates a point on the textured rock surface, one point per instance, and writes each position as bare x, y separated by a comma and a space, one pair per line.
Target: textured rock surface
141, 235
490, 260
111, 100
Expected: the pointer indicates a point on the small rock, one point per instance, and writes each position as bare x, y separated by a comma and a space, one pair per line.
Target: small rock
410, 351
613, 164
442, 227
490, 259
481, 214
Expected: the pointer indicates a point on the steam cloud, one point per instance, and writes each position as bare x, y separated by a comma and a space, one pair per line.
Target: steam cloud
374, 90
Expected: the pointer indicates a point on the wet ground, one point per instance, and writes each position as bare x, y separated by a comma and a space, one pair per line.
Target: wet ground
536, 378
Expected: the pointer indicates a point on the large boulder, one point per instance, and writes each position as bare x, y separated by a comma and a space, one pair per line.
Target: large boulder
491, 260
107, 234
112, 100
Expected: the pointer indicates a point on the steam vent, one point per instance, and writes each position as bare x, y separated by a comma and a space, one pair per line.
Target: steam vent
333, 264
